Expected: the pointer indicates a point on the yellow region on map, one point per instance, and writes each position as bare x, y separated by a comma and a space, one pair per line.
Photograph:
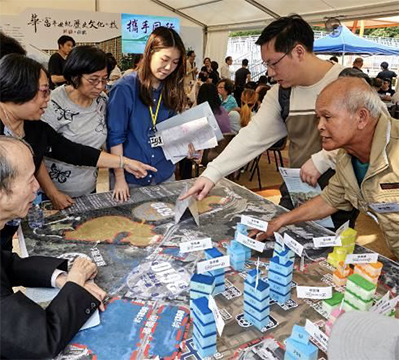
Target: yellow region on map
206, 204
106, 228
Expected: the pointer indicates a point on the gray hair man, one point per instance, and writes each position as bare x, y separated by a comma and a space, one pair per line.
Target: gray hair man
352, 118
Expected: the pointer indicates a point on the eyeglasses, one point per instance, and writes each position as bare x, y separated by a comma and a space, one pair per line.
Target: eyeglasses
274, 64
95, 82
45, 90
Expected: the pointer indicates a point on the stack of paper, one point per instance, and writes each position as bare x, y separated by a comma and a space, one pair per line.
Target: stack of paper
197, 126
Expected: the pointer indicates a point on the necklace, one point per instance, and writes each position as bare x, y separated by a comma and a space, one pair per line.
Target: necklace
8, 131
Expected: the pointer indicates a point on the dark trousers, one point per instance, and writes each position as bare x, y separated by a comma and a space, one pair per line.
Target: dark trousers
339, 218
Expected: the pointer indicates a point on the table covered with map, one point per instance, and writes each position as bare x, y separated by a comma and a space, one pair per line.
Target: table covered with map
136, 246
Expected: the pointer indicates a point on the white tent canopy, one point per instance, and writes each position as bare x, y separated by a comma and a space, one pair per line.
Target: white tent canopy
217, 17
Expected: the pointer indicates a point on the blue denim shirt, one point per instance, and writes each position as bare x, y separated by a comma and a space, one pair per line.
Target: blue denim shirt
129, 123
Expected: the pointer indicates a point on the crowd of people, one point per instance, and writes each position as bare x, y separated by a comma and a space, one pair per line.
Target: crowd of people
340, 136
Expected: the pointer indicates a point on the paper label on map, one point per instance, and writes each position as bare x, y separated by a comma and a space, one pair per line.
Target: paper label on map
294, 245
387, 307
216, 313
251, 243
361, 258
327, 241
254, 223
314, 292
383, 300
195, 245
213, 264
342, 228
278, 238
317, 334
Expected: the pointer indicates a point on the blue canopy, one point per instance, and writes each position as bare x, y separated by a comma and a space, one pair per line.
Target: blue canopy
342, 40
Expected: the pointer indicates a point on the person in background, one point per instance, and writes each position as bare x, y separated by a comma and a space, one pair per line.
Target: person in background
214, 75
242, 76
77, 112
261, 91
225, 89
249, 99
143, 99
207, 66
209, 93
225, 72
386, 92
27, 331
135, 63
334, 59
57, 60
358, 64
386, 73
116, 73
191, 71
376, 84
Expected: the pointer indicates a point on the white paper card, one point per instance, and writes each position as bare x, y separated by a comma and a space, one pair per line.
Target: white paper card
251, 243
216, 313
195, 245
383, 208
342, 228
317, 334
294, 245
388, 306
279, 238
21, 242
380, 302
314, 292
213, 264
254, 223
361, 258
93, 321
327, 241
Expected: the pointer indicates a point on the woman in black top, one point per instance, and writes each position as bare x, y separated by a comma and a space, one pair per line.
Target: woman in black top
24, 94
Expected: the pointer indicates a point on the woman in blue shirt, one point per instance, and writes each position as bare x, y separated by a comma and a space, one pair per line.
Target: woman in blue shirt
143, 99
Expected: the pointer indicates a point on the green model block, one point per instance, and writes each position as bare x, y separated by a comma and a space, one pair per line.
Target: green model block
330, 304
347, 306
361, 287
358, 302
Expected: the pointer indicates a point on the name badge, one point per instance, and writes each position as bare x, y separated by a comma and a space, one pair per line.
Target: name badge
382, 208
156, 141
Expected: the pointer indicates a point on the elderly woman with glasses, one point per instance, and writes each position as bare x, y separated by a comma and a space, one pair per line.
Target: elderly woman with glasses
77, 111
24, 94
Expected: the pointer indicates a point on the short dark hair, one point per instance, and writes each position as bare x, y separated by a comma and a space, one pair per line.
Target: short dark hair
350, 72
190, 52
228, 85
207, 58
333, 58
19, 78
214, 65
209, 92
65, 38
9, 45
227, 59
384, 65
262, 79
250, 85
244, 62
376, 82
203, 76
288, 32
85, 60
111, 60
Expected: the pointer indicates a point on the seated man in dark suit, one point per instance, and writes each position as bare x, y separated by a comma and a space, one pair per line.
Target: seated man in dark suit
27, 331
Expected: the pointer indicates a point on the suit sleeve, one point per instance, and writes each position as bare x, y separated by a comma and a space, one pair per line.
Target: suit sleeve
30, 332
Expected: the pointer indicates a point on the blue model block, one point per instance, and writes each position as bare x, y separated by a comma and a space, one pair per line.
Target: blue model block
197, 294
280, 298
276, 287
212, 253
236, 251
242, 229
204, 342
216, 272
205, 352
204, 328
258, 303
202, 311
219, 279
300, 334
203, 283
219, 289
260, 324
288, 356
251, 276
278, 248
256, 313
278, 278
260, 292
237, 265
284, 257
301, 351
285, 269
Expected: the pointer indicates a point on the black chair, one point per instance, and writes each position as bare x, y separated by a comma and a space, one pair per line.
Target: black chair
277, 148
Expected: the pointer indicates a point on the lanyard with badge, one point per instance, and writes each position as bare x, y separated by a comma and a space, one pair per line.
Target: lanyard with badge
155, 140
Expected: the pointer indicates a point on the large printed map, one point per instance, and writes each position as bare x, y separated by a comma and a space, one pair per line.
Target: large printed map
136, 246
